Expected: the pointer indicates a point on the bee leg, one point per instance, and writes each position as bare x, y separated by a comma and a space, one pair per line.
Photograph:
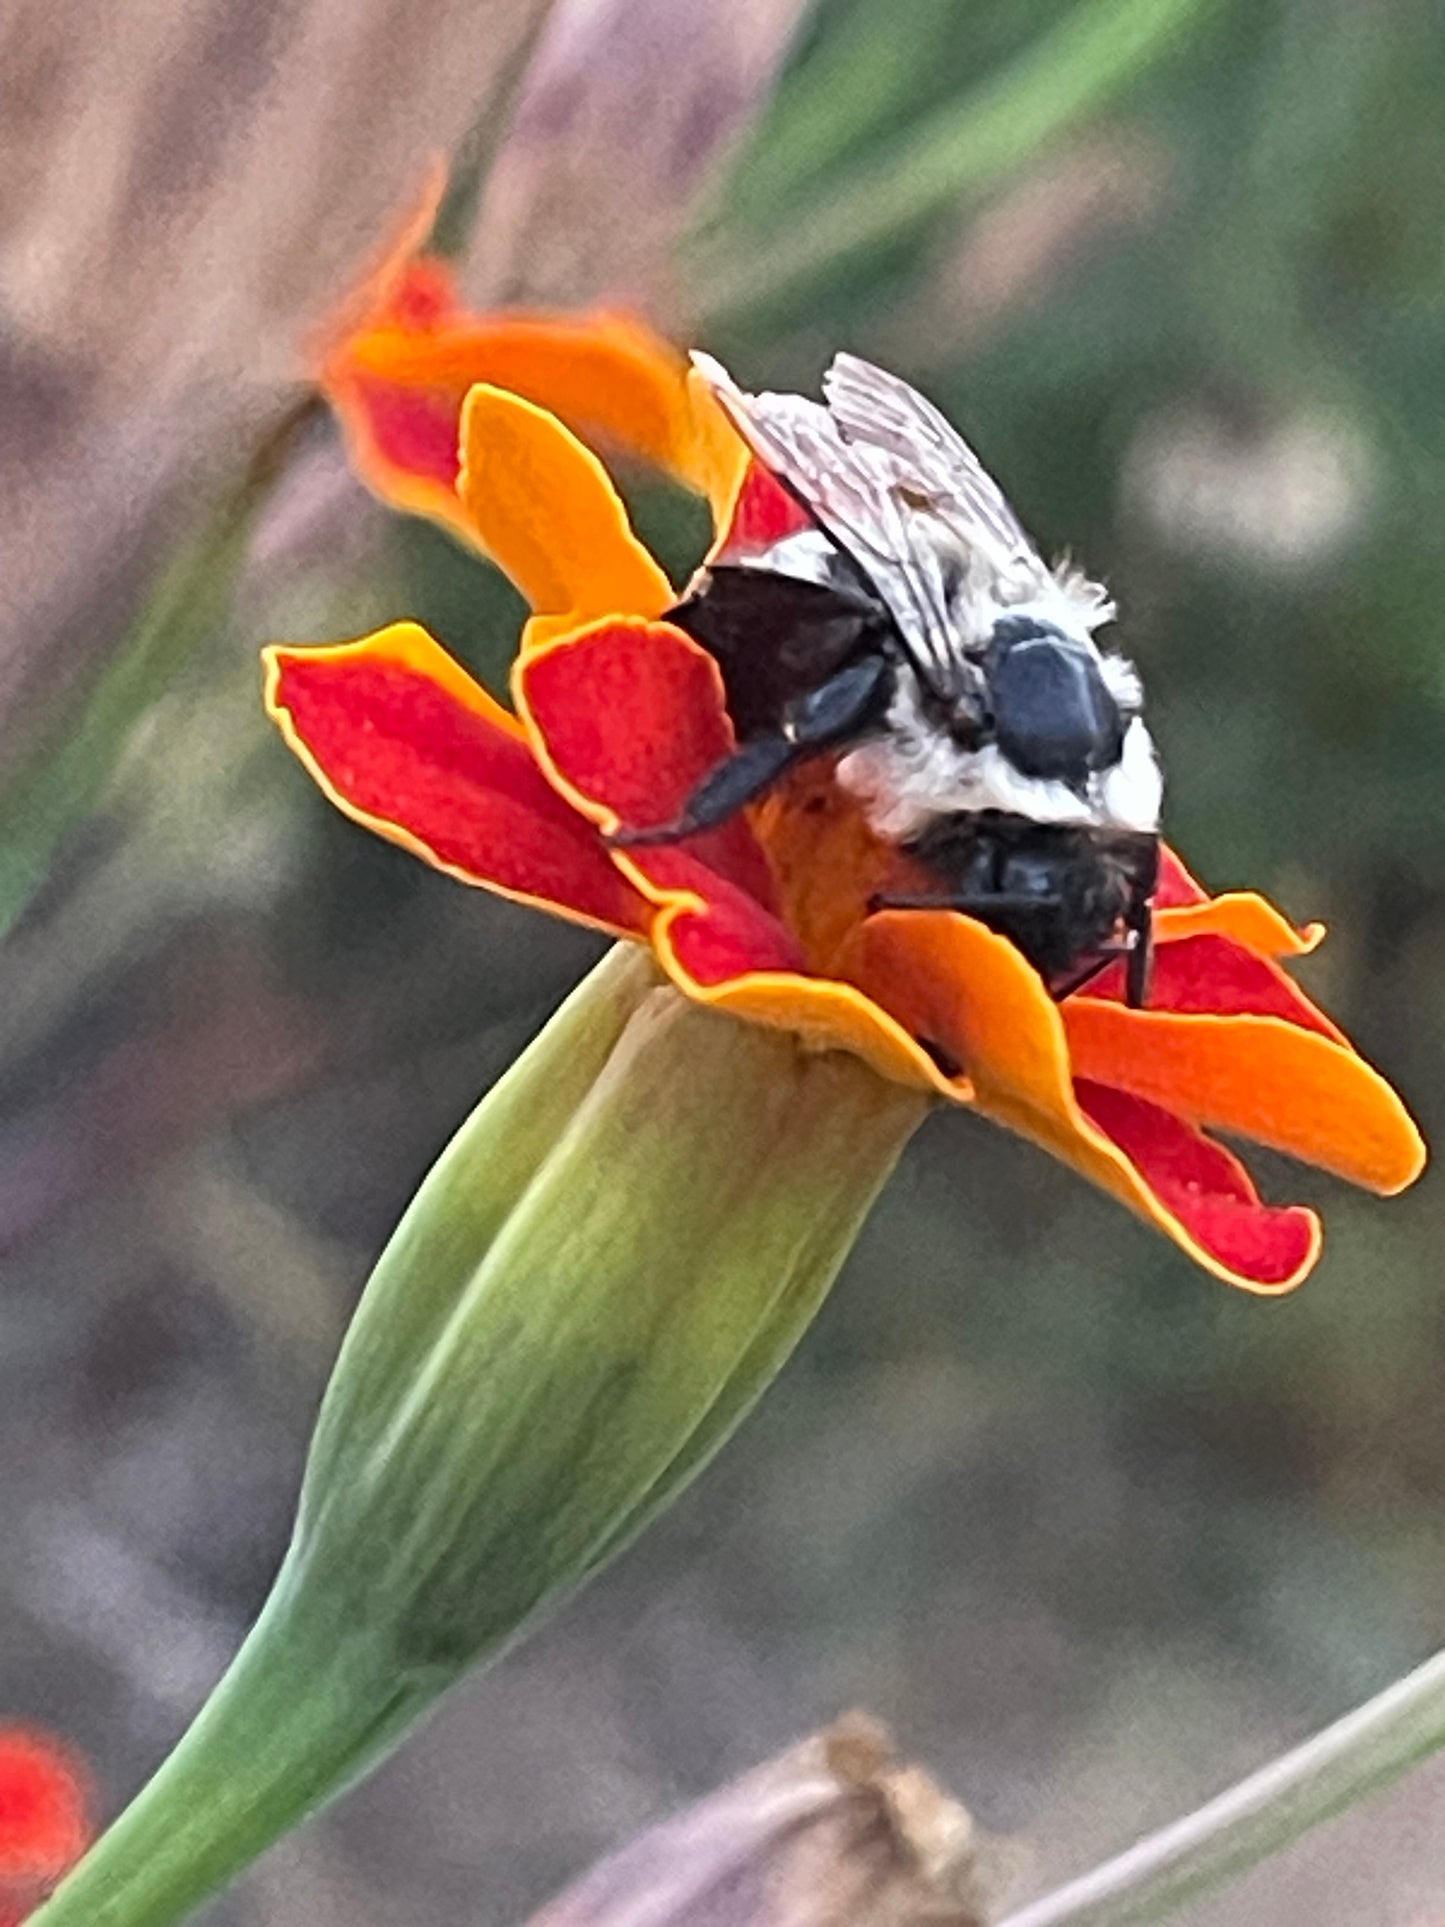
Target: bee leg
838, 708
1103, 957
969, 905
1141, 954
750, 770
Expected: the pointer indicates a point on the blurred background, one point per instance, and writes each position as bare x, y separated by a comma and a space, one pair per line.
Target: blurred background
1092, 1533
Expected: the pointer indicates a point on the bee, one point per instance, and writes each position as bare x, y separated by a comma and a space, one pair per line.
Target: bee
905, 625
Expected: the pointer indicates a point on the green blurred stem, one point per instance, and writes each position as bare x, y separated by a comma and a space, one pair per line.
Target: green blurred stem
599, 1278
1067, 73
1356, 1757
295, 1720
59, 784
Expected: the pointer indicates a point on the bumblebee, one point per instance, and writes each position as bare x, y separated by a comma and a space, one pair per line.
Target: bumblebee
908, 628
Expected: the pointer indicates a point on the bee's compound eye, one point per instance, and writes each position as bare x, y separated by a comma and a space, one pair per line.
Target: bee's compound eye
1053, 714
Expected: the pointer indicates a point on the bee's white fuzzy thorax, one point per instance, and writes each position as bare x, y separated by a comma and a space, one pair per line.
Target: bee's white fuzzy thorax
914, 772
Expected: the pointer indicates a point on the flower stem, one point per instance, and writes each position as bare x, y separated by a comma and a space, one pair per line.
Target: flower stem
1348, 1762
294, 1720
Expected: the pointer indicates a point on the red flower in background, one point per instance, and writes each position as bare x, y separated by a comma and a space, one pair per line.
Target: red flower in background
619, 715
44, 1818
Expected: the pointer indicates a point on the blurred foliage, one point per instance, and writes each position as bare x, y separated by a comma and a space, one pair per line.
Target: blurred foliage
1035, 1492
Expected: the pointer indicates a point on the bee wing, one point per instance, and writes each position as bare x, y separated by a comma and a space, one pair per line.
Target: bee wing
853, 489
935, 464
933, 460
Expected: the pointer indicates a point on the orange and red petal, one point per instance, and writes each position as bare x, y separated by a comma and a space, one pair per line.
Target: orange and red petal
1242, 917
1295, 1089
404, 741
977, 1002
44, 1807
1216, 976
825, 1014
1176, 888
403, 443
1200, 1185
545, 510
1217, 954
397, 379
627, 718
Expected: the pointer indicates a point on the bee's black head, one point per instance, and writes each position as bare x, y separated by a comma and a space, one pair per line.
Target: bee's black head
1053, 715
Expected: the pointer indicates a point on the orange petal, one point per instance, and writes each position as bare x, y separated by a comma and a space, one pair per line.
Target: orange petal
825, 1014
1261, 1077
607, 375
1243, 917
545, 509
402, 739
719, 462
972, 995
398, 377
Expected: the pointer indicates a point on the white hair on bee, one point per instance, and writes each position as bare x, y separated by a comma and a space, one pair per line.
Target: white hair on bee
915, 773
1132, 792
1121, 679
1089, 600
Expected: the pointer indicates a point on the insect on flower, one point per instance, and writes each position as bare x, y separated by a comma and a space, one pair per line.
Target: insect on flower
908, 626
958, 677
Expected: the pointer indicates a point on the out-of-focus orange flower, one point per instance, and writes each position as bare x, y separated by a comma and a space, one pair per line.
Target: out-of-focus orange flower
44, 1818
619, 715
401, 354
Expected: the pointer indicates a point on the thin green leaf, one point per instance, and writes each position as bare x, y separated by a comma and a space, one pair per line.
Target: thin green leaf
64, 779
1097, 51
1356, 1757
862, 78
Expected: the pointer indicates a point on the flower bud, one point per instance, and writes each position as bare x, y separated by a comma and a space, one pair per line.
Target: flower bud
603, 1272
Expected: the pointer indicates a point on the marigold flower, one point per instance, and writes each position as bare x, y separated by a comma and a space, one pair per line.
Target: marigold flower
619, 715
44, 1817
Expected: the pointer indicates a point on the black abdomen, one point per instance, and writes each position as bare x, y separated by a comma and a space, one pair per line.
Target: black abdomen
1059, 892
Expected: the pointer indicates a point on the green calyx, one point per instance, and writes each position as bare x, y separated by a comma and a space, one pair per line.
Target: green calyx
603, 1272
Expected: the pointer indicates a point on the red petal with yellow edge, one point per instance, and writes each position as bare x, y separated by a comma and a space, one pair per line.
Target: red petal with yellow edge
545, 509
401, 738
972, 995
1211, 975
1202, 1185
628, 717
715, 931
1281, 1085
